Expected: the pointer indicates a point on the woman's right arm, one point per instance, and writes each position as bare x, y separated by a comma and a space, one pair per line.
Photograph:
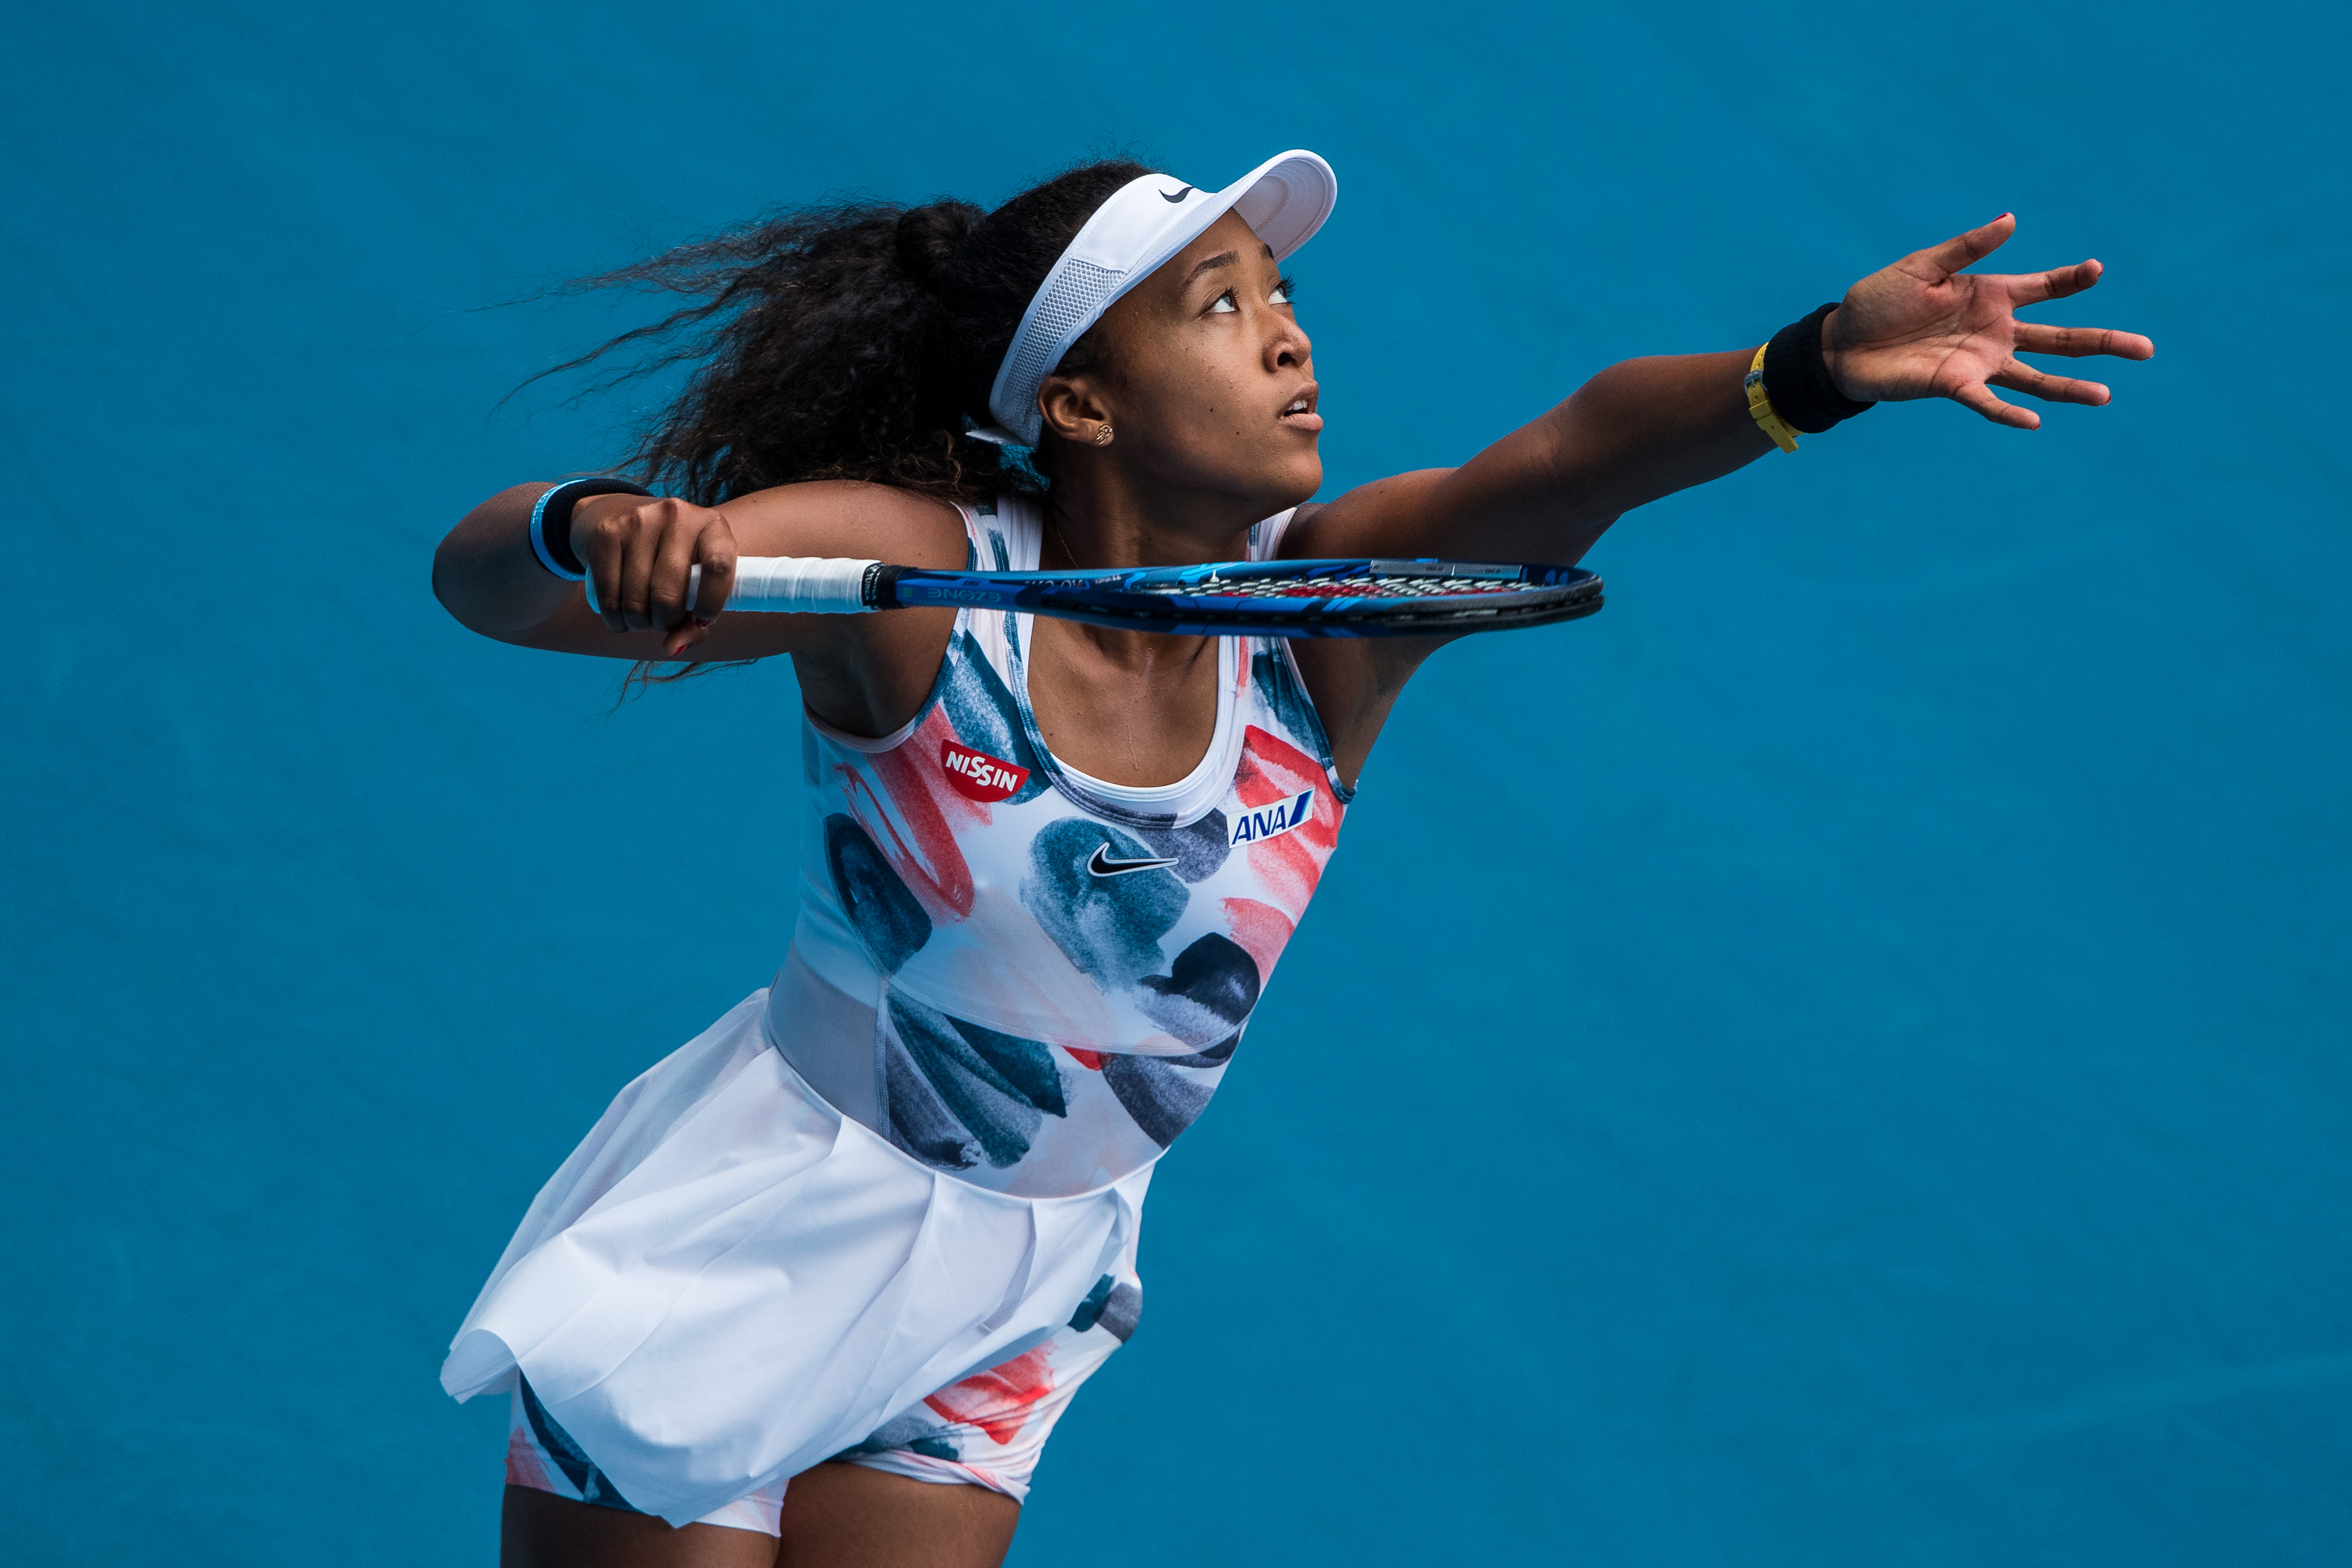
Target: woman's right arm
856, 669
486, 575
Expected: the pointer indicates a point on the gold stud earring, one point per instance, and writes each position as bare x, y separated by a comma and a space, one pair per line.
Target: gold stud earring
1102, 437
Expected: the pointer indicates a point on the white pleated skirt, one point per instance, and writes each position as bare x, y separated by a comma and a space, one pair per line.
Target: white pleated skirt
730, 1281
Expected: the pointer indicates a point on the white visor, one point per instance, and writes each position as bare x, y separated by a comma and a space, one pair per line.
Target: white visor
1284, 200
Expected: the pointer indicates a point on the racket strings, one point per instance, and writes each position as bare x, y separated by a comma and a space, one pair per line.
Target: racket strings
1337, 587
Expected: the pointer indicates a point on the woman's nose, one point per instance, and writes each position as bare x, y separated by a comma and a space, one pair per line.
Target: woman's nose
1287, 344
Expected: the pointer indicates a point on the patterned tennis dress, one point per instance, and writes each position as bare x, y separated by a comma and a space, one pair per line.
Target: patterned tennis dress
885, 1210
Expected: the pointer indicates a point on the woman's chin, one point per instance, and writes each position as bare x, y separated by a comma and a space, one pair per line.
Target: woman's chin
1296, 478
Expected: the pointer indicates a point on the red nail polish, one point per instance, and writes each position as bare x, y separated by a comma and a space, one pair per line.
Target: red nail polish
703, 621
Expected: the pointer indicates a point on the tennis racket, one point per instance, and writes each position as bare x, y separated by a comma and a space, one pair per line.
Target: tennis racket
1229, 598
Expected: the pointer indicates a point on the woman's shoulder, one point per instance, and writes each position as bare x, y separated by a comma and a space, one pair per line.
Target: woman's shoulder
1383, 517
851, 517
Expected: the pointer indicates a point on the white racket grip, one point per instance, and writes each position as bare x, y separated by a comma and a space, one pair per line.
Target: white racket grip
793, 585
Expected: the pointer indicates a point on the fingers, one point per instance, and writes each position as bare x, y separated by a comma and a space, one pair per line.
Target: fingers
2082, 343
1962, 250
638, 551
2034, 287
642, 558
715, 554
597, 530
711, 571
665, 586
2017, 376
618, 540
1978, 396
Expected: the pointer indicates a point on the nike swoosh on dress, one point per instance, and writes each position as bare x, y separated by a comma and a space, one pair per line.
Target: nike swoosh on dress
1101, 864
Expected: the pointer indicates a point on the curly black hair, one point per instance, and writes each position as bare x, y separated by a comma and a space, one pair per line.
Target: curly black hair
852, 341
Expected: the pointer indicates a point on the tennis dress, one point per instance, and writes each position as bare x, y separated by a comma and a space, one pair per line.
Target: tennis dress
887, 1209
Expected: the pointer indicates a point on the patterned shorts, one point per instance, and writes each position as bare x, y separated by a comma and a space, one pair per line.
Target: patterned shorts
987, 1430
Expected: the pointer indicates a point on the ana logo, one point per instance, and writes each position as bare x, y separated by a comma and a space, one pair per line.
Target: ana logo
1263, 823
977, 776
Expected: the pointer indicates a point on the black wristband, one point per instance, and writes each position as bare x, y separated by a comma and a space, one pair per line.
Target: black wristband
1798, 379
550, 521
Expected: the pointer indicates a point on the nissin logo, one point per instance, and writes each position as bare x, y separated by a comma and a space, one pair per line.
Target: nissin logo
977, 776
1263, 823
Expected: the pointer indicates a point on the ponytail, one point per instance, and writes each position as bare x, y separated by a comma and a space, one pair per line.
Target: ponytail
851, 341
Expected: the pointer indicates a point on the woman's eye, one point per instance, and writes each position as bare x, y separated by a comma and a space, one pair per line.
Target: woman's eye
1222, 304
1283, 293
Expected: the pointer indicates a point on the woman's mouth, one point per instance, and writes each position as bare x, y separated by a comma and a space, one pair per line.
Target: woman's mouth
1300, 415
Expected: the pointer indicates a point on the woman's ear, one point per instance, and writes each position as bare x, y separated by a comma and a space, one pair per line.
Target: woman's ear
1073, 408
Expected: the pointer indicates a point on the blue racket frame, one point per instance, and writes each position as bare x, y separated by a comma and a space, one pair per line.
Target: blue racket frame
1182, 599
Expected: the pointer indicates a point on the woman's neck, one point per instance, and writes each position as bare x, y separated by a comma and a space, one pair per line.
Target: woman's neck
1100, 517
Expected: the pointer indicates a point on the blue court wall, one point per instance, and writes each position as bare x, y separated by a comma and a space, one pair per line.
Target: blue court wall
1841, 1060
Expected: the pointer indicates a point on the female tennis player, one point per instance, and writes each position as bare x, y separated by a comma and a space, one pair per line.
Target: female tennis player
818, 1285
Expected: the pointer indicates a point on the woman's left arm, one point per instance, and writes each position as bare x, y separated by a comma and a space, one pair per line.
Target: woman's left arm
1647, 428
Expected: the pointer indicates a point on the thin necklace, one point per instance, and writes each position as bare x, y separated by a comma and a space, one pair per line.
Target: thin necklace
1054, 523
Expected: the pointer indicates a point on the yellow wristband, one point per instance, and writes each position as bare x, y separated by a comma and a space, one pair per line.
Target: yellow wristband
1759, 406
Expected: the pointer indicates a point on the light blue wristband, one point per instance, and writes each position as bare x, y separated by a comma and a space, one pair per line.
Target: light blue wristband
555, 508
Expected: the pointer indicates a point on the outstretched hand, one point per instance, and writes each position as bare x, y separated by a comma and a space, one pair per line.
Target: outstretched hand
1921, 327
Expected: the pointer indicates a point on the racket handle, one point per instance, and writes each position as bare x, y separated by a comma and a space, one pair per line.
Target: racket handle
795, 585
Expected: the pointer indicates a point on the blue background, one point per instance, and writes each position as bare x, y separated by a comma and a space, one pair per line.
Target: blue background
1840, 1060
